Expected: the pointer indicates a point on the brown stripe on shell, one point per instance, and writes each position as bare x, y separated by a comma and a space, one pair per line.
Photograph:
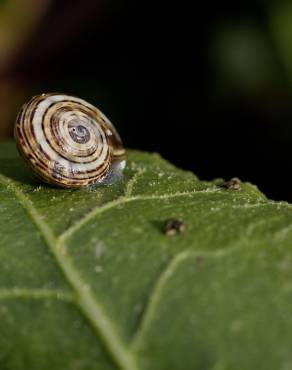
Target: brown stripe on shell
45, 154
41, 162
44, 168
59, 151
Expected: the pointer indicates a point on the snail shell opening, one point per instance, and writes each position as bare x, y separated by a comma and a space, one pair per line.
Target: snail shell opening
68, 142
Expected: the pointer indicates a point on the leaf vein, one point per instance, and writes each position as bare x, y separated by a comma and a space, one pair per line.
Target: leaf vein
122, 200
133, 181
85, 300
36, 294
161, 281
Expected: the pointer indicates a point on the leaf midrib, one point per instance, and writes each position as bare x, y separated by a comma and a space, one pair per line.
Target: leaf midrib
84, 298
122, 353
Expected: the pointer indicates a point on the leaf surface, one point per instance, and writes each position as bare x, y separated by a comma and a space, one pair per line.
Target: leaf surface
90, 281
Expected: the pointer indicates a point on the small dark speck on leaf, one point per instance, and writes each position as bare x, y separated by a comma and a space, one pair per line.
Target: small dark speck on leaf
200, 259
233, 184
173, 226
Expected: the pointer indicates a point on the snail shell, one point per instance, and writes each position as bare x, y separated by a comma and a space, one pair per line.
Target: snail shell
67, 141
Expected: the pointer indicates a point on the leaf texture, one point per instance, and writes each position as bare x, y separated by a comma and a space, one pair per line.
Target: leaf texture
89, 281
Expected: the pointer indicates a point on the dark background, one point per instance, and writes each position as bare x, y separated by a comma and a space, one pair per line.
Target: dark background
206, 84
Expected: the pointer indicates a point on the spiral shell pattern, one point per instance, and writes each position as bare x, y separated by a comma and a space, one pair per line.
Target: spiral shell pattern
67, 141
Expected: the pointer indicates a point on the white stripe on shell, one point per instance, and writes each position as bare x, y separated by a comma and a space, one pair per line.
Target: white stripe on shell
37, 126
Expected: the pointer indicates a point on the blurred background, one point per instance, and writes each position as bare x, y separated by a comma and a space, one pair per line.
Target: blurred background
206, 84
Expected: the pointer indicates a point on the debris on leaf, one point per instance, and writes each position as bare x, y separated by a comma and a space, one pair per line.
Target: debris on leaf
233, 184
174, 226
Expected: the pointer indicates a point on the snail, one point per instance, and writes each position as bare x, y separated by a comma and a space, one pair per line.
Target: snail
68, 142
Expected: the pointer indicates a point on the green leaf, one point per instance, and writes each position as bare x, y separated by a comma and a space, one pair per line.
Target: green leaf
88, 279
